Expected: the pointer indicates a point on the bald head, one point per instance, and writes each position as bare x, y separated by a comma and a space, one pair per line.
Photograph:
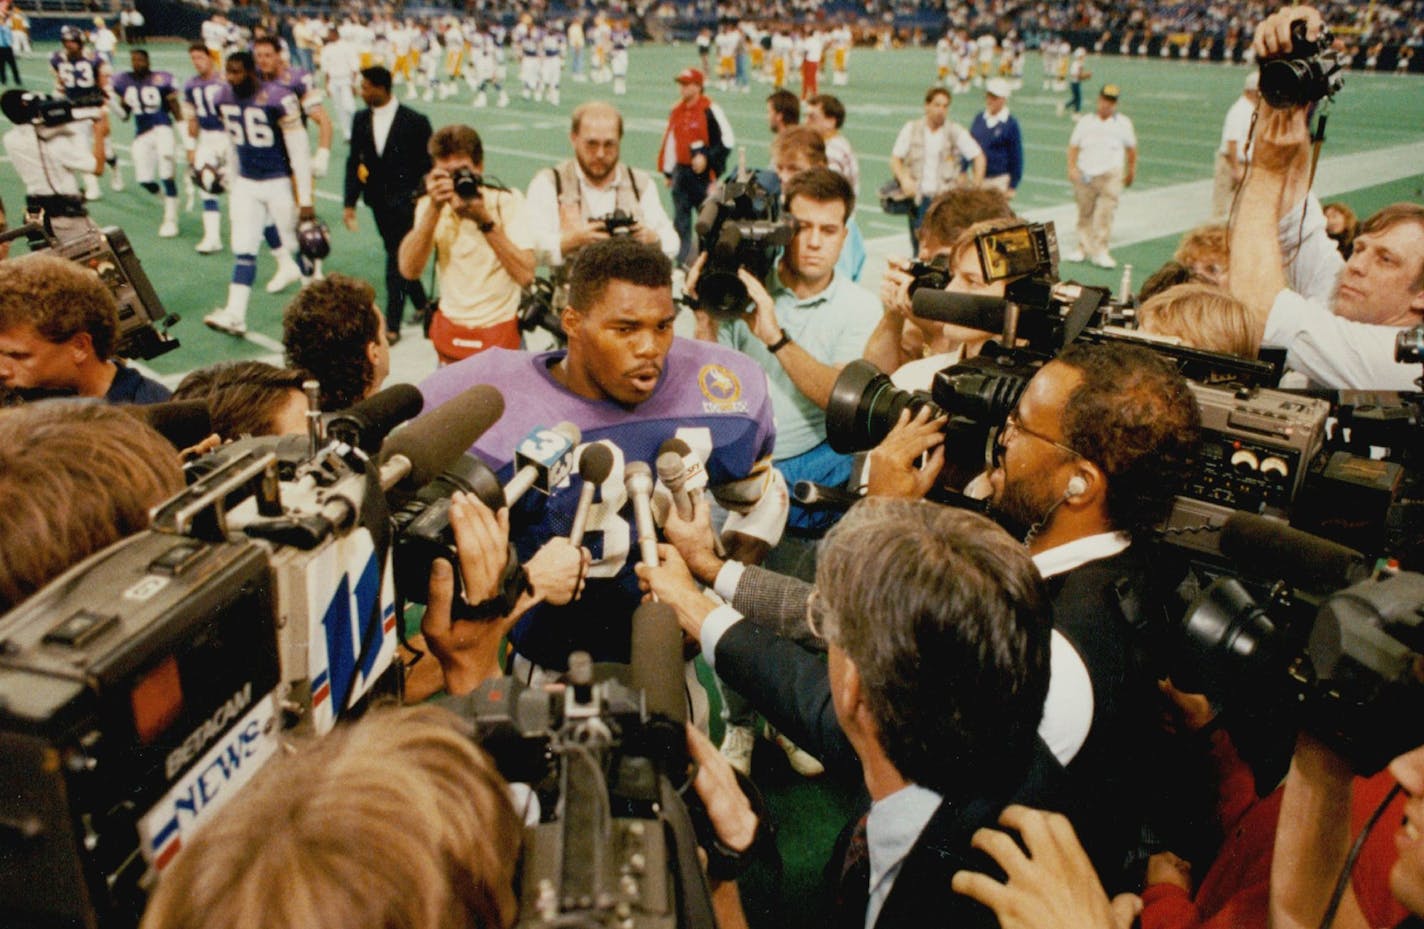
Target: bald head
597, 134
596, 111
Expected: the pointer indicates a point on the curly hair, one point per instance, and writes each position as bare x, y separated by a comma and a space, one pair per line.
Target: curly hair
619, 258
60, 299
326, 330
1134, 416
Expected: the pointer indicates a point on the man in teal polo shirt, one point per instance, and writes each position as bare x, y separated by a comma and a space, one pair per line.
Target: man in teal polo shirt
807, 322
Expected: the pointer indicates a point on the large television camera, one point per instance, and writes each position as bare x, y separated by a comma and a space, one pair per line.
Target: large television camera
141, 688
1322, 645
740, 228
605, 753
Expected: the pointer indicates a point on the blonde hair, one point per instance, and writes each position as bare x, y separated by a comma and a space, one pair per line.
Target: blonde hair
1203, 317
397, 821
1206, 245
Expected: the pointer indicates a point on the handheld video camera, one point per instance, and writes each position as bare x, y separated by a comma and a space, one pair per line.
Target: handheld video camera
23, 106
741, 228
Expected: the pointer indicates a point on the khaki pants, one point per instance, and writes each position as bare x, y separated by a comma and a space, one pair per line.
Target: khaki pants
1223, 189
1097, 202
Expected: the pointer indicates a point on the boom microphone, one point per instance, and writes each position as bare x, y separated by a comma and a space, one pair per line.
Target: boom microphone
973, 311
416, 454
1273, 549
542, 459
595, 464
638, 478
366, 424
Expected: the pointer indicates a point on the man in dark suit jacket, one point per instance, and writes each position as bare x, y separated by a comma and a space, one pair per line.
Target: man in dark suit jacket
925, 610
388, 161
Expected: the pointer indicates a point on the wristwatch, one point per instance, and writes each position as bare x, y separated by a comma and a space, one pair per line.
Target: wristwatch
780, 343
512, 585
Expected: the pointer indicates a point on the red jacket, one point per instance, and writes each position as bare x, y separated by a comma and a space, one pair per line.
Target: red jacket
697, 122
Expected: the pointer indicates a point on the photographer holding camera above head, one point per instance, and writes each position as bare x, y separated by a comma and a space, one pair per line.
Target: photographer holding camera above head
58, 323
483, 245
595, 195
804, 323
1350, 341
1084, 467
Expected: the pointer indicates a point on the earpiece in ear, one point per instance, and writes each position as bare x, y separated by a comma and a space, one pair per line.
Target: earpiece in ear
1076, 486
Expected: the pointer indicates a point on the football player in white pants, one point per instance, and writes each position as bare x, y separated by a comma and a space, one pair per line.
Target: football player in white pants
206, 141
267, 170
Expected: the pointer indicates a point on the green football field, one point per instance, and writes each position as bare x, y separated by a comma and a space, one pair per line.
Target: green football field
1374, 155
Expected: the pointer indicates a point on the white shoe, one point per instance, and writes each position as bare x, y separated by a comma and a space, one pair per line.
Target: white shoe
481, 101
208, 246
287, 274
169, 229
116, 179
801, 762
224, 320
737, 746
1103, 260
1075, 255
503, 99
92, 191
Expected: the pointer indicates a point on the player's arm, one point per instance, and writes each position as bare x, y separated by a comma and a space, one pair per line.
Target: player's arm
298, 153
314, 108
174, 106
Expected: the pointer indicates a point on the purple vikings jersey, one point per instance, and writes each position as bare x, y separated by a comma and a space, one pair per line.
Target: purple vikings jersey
201, 93
146, 98
296, 80
255, 127
78, 79
713, 398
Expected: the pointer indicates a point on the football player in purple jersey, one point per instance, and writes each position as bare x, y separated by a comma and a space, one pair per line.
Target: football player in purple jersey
206, 141
270, 148
84, 78
152, 100
628, 384
272, 67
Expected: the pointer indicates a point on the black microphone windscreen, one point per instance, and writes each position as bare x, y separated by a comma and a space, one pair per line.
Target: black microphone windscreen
1270, 548
436, 440
809, 493
656, 666
972, 311
185, 423
595, 463
367, 423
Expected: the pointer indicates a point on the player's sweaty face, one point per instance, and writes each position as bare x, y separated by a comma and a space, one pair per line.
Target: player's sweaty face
621, 342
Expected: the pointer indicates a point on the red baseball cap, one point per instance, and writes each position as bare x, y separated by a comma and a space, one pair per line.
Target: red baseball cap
690, 76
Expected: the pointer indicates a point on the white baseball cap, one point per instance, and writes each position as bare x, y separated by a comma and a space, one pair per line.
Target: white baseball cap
998, 87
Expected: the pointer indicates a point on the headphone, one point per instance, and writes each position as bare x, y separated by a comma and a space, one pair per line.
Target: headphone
1076, 486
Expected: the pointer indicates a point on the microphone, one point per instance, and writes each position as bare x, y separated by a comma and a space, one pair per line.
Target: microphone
809, 493
972, 311
366, 424
656, 669
595, 464
542, 460
185, 423
1274, 549
682, 471
416, 454
638, 478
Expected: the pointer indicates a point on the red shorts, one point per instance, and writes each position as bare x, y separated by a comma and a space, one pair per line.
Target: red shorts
453, 342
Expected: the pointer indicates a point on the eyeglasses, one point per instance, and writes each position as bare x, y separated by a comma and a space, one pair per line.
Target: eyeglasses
1013, 424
